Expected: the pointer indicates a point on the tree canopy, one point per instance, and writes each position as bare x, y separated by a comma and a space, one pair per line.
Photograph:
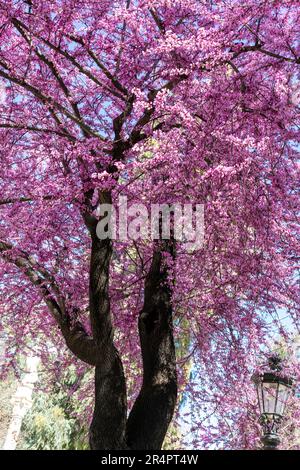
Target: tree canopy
162, 102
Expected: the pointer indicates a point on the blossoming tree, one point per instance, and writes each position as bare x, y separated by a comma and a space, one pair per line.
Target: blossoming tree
162, 102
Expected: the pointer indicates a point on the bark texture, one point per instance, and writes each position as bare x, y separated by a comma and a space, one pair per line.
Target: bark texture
107, 430
152, 412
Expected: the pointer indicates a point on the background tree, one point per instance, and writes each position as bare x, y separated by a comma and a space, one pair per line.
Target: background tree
162, 102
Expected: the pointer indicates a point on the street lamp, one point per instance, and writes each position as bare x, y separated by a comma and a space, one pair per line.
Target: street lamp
273, 390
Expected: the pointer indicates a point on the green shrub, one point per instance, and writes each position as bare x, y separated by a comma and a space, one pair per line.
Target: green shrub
51, 423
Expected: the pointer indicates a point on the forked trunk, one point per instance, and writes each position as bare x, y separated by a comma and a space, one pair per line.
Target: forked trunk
148, 422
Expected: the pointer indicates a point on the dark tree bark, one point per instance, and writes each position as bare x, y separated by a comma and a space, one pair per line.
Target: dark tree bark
152, 412
107, 430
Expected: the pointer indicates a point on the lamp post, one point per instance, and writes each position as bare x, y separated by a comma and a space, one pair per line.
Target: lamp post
273, 390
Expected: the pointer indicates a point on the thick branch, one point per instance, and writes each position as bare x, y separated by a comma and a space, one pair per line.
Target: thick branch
153, 410
101, 320
258, 48
76, 338
6, 201
158, 21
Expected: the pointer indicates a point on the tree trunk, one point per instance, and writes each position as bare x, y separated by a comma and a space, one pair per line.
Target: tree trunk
152, 412
107, 430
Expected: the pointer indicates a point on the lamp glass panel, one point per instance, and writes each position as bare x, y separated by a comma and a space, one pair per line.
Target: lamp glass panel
260, 397
269, 396
283, 393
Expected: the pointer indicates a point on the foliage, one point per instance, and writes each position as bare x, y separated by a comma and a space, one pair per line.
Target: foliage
7, 390
161, 102
53, 421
